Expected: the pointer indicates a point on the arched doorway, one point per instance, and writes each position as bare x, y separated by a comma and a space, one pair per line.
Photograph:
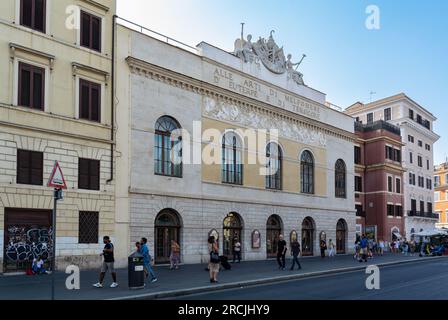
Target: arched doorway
167, 228
273, 232
232, 231
341, 236
308, 230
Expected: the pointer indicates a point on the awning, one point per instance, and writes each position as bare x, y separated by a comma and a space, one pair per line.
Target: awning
398, 235
430, 233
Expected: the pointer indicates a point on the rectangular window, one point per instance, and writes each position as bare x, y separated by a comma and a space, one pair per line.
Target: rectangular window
410, 138
89, 174
420, 161
436, 196
88, 227
358, 184
357, 155
436, 181
389, 184
428, 147
428, 184
390, 210
387, 114
411, 159
32, 14
30, 167
427, 164
398, 211
397, 155
411, 114
89, 100
413, 205
420, 143
398, 185
422, 206
90, 31
429, 207
419, 119
359, 210
369, 118
31, 86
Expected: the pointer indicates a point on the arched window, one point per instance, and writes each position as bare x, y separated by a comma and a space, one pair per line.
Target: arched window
273, 166
340, 179
307, 172
232, 160
167, 150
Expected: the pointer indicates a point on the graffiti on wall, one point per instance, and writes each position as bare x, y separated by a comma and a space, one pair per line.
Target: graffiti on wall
25, 244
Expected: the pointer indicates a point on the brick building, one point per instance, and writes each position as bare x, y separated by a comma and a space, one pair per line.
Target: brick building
379, 180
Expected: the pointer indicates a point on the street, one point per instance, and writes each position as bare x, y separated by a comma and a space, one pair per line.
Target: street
427, 281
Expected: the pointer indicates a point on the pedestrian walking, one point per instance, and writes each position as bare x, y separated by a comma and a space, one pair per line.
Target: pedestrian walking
236, 250
357, 248
108, 264
295, 253
213, 265
332, 249
175, 255
381, 247
364, 249
281, 253
144, 250
412, 247
323, 247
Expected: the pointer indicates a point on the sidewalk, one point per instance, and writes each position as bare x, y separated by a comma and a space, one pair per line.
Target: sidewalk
188, 279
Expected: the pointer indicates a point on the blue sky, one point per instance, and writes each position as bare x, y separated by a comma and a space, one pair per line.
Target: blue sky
409, 53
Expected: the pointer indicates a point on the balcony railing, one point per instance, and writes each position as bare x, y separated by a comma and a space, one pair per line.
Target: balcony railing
377, 125
421, 214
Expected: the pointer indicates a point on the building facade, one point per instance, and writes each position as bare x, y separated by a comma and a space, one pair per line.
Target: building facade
418, 137
216, 98
379, 192
441, 193
55, 105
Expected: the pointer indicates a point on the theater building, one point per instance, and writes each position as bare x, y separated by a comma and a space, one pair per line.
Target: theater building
165, 193
379, 190
55, 105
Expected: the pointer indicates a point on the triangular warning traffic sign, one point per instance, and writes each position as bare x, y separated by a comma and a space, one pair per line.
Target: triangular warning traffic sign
57, 178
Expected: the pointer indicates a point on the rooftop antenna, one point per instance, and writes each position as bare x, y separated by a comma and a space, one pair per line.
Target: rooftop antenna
371, 95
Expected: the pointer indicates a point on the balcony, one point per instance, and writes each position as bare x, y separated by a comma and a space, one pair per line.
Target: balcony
420, 214
377, 125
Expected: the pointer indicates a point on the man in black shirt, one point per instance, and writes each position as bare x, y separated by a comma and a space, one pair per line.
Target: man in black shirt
108, 264
295, 252
281, 252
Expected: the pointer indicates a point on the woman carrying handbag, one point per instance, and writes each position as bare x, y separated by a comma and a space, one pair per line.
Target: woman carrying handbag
213, 265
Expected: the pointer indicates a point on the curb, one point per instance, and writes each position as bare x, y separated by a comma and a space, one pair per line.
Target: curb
249, 283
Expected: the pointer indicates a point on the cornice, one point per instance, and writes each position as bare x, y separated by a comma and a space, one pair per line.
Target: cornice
200, 87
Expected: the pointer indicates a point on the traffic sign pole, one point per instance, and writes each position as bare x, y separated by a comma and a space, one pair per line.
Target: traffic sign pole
53, 262
56, 181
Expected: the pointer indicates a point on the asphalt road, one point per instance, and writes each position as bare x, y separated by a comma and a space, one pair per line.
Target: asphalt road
416, 281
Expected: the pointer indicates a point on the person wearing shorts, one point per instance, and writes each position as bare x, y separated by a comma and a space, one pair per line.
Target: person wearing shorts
108, 264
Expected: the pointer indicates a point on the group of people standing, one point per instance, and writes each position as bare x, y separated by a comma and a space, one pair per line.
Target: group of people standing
141, 248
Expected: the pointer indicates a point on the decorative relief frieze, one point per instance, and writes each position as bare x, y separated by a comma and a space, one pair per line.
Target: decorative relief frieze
248, 117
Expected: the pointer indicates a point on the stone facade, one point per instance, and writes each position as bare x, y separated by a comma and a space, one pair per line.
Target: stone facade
206, 87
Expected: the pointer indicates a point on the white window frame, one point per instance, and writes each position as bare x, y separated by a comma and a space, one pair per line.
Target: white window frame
103, 33
47, 17
387, 183
102, 84
15, 93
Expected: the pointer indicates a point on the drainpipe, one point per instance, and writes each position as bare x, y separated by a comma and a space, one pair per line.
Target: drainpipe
112, 102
